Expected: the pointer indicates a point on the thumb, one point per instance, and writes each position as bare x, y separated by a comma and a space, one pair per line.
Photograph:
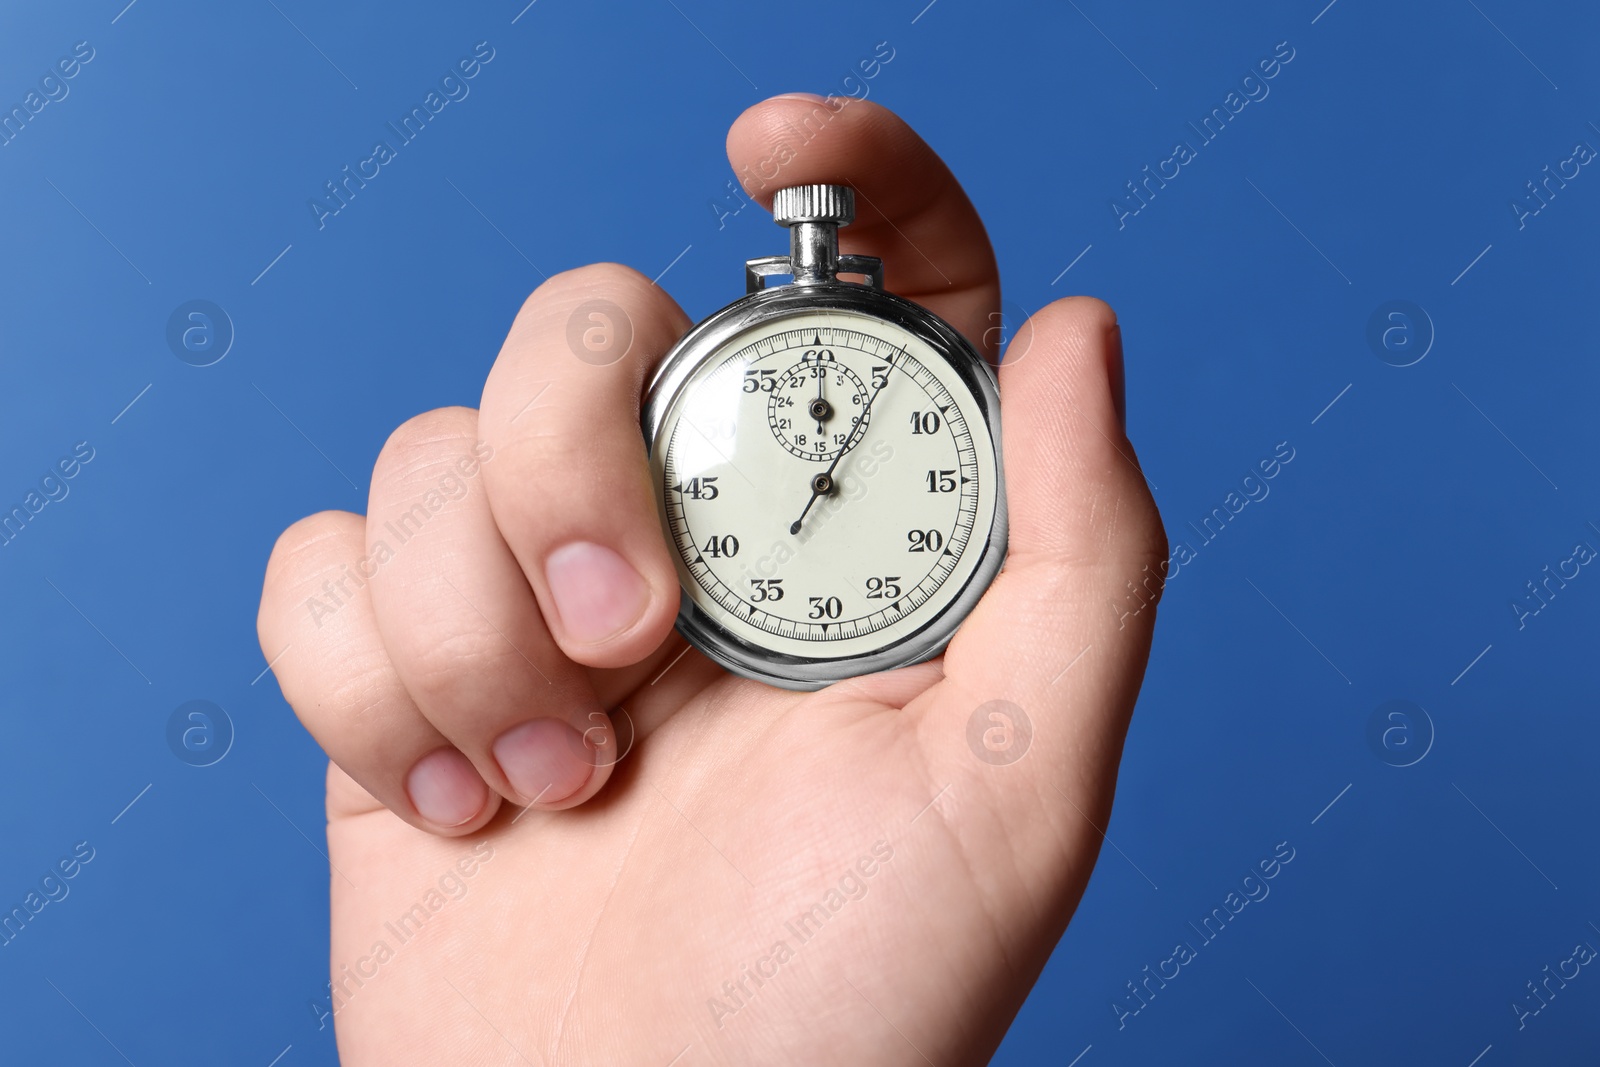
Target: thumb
1056, 649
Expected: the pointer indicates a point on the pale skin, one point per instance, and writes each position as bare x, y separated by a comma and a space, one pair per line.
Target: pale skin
625, 907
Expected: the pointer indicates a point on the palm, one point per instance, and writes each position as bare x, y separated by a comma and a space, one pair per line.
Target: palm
871, 873
729, 827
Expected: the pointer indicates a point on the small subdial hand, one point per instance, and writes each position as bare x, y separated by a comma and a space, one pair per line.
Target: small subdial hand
820, 409
812, 424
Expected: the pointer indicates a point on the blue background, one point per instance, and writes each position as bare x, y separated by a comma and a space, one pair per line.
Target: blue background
1381, 567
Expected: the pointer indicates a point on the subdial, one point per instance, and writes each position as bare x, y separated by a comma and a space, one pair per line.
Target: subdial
815, 407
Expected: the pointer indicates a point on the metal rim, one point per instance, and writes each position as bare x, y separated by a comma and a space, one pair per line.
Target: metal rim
807, 673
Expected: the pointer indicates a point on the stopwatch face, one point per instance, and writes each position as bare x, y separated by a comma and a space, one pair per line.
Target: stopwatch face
831, 488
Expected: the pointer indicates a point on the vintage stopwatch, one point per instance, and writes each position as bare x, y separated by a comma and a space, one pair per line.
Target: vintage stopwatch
826, 457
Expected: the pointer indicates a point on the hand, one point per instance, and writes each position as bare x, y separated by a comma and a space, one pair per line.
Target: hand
560, 838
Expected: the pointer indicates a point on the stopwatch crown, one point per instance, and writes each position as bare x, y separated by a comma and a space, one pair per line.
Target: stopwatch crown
814, 203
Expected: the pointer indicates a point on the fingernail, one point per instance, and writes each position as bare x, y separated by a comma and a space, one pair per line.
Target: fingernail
597, 594
812, 97
542, 762
445, 788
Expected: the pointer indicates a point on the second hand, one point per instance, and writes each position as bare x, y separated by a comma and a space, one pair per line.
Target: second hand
823, 482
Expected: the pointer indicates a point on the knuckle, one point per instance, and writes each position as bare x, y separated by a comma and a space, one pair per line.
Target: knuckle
1133, 545
592, 279
310, 543
429, 434
581, 443
305, 551
357, 704
427, 447
441, 666
301, 557
1149, 536
609, 481
616, 289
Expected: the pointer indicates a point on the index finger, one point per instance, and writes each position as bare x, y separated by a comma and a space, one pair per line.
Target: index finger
910, 210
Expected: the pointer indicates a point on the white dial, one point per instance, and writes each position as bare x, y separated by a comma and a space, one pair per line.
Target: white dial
828, 483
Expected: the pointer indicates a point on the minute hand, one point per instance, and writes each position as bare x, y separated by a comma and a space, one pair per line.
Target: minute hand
851, 442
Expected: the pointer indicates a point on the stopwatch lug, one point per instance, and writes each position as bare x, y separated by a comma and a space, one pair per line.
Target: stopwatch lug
757, 271
870, 266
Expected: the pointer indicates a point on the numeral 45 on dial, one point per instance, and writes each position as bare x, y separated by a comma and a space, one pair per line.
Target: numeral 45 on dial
698, 488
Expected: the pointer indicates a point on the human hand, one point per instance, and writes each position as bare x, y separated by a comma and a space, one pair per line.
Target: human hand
560, 838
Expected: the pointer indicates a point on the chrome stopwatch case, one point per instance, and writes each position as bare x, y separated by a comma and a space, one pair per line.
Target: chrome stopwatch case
826, 456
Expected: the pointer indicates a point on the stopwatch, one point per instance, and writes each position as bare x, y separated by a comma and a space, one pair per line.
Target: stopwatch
826, 460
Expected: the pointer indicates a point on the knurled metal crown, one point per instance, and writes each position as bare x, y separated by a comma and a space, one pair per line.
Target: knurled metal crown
814, 203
